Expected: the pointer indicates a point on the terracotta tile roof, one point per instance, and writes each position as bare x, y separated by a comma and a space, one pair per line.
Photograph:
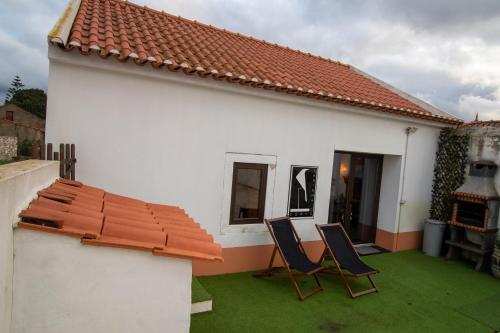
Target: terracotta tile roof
123, 30
482, 123
107, 219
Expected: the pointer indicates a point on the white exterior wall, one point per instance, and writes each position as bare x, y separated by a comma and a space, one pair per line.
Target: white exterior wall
164, 136
63, 286
19, 183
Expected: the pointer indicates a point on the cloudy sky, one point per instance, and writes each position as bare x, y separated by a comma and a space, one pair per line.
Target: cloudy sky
446, 52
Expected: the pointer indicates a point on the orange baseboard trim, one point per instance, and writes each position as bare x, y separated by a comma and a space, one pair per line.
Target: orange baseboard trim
253, 258
399, 242
249, 258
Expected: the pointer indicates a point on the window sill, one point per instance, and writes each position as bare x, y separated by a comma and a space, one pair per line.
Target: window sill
244, 228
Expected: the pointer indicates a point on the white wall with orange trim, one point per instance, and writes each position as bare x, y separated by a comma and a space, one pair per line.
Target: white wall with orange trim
164, 137
19, 183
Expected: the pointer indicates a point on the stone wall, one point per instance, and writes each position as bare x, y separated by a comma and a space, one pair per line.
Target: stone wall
22, 116
8, 147
24, 125
484, 143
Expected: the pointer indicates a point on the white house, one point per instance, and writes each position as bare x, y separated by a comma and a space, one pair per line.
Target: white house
171, 110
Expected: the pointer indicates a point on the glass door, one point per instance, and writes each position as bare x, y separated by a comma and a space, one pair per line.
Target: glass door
355, 194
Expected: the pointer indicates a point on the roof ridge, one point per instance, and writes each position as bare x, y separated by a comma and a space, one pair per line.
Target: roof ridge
238, 34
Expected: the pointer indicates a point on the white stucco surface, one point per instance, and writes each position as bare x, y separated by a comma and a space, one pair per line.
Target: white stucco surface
164, 137
63, 286
19, 183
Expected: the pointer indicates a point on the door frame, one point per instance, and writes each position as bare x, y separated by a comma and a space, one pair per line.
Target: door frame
350, 187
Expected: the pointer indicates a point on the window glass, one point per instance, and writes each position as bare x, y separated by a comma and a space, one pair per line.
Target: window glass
248, 193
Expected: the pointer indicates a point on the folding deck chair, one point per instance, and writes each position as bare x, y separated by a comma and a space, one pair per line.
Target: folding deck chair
287, 243
345, 257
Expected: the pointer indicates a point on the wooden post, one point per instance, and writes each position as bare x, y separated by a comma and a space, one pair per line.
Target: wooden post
49, 152
33, 151
56, 156
73, 161
42, 151
67, 165
62, 161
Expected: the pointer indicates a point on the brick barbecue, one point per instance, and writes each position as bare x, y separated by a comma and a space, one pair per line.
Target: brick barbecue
475, 215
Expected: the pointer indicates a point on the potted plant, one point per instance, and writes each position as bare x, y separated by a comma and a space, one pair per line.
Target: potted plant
449, 171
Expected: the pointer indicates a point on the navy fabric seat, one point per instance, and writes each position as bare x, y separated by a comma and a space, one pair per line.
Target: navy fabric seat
288, 246
344, 255
294, 256
343, 252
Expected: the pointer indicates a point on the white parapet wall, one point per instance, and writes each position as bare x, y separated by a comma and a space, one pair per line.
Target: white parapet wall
63, 286
19, 183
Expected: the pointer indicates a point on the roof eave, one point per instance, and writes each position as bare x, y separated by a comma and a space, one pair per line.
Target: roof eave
334, 99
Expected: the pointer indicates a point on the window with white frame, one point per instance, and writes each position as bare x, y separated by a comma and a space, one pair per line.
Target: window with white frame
248, 192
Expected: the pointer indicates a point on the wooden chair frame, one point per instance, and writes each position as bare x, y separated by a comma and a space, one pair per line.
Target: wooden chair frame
270, 271
337, 268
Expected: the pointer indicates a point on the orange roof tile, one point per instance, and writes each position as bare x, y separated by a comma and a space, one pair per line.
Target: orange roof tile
107, 219
482, 123
127, 31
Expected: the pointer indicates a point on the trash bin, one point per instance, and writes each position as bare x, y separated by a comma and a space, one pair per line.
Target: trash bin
433, 237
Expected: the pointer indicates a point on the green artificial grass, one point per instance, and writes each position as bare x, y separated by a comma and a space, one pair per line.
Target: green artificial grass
416, 294
485, 311
198, 293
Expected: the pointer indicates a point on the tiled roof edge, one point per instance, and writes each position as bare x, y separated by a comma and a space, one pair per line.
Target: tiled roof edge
482, 123
60, 32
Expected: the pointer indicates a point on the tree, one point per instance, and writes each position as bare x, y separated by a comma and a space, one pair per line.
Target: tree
31, 100
15, 86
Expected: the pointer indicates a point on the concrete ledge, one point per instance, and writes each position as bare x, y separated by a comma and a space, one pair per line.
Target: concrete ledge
200, 307
16, 169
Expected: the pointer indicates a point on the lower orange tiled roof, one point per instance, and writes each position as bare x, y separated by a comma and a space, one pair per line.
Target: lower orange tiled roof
106, 219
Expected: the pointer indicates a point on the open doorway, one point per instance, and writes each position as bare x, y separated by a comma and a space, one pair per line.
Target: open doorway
355, 194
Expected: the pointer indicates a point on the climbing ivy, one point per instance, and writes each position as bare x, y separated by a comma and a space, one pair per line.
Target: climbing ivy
449, 172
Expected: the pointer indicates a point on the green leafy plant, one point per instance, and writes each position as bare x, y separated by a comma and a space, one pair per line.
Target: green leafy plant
25, 147
31, 100
449, 172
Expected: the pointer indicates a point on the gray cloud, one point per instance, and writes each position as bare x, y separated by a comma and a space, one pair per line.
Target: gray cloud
24, 26
443, 51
